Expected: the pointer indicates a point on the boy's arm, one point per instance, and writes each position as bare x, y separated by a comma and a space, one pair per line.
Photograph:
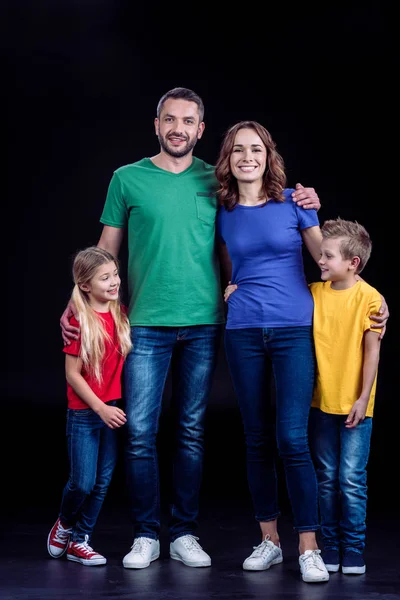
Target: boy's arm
372, 345
111, 415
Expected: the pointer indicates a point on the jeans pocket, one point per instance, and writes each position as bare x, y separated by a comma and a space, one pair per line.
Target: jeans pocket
206, 207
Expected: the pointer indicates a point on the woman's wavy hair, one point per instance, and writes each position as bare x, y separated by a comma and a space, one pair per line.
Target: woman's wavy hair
274, 178
93, 334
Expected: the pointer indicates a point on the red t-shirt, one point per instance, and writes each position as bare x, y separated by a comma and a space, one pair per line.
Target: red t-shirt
111, 367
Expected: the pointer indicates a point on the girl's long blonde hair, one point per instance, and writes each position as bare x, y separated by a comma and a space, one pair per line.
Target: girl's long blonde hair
93, 334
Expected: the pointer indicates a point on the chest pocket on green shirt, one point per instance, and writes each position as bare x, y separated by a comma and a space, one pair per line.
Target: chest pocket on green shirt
206, 207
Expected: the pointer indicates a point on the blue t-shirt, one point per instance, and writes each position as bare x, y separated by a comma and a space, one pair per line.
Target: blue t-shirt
265, 246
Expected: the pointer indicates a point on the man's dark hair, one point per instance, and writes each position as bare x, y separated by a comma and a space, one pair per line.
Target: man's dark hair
180, 93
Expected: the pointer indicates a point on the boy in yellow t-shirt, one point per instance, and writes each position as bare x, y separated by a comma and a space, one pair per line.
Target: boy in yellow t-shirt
347, 353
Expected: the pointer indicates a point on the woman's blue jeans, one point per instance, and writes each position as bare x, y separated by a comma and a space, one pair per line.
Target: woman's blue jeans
92, 454
290, 352
145, 372
341, 457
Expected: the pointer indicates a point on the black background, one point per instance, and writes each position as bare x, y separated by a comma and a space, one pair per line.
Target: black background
82, 80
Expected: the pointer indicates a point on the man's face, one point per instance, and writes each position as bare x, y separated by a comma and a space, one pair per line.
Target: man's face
178, 127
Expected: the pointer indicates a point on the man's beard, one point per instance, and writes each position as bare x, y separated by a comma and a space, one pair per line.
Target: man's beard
190, 144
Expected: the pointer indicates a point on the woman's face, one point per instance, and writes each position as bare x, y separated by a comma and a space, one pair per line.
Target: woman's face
249, 156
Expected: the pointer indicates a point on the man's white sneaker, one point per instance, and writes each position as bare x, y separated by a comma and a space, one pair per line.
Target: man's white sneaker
144, 551
312, 567
264, 556
188, 550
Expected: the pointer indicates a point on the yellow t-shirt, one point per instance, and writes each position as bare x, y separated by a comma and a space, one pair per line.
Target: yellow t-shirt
340, 319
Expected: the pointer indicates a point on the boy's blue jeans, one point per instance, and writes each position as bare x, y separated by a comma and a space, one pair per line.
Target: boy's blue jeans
290, 351
341, 457
92, 454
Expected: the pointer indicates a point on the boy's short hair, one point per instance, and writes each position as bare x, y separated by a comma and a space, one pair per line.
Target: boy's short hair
356, 240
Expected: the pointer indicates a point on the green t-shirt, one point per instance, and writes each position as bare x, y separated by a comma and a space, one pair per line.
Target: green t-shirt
173, 272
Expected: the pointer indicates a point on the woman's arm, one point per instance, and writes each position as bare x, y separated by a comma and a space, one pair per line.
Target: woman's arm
312, 238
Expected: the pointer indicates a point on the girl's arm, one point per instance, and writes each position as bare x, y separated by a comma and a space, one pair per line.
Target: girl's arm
372, 345
112, 416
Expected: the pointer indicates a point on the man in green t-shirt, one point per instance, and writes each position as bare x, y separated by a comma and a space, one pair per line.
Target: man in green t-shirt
168, 206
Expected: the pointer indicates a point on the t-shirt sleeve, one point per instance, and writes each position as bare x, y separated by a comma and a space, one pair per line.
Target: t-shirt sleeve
307, 217
374, 304
115, 212
75, 346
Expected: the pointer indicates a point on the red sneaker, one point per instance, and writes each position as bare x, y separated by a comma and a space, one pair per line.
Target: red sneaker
82, 553
58, 538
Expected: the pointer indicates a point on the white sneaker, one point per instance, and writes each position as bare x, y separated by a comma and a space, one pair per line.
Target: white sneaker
312, 567
264, 556
144, 551
187, 550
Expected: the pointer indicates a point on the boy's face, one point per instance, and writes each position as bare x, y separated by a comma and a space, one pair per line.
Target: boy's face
332, 264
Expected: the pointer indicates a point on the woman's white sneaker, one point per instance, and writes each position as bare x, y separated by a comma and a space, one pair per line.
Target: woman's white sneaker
187, 549
144, 551
312, 567
264, 556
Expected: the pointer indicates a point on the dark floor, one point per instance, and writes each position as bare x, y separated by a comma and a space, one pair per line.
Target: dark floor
28, 573
34, 471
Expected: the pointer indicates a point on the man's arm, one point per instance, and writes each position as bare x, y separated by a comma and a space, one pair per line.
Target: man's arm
372, 345
110, 240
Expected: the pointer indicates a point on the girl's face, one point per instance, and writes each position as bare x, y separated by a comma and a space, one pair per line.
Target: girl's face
249, 156
104, 286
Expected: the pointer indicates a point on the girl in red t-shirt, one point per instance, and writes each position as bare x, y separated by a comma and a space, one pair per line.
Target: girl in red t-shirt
93, 367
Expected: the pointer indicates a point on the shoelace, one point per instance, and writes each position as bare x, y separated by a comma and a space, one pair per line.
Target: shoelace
263, 549
61, 534
84, 546
190, 543
313, 560
140, 545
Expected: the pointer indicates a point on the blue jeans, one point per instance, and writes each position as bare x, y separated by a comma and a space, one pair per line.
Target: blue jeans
341, 457
290, 352
145, 372
92, 454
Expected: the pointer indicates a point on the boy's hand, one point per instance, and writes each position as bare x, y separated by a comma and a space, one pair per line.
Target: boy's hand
357, 414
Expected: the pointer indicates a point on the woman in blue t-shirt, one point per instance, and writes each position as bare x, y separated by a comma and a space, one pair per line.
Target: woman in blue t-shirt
261, 233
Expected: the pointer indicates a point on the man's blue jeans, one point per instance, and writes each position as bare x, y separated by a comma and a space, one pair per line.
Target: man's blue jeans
145, 372
290, 351
92, 454
341, 457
